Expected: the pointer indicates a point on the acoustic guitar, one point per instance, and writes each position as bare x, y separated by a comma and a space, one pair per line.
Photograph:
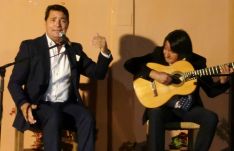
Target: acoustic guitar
153, 94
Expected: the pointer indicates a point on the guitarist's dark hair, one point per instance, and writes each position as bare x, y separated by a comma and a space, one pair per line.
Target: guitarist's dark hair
180, 42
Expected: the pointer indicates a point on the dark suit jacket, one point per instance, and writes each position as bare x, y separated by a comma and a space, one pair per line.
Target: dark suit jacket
30, 76
137, 66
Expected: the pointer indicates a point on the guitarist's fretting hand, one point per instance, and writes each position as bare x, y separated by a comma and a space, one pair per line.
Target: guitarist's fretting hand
225, 70
161, 77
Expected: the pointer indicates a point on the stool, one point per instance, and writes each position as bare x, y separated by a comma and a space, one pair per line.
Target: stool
68, 140
189, 126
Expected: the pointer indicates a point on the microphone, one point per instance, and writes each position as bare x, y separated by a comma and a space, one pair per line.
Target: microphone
64, 38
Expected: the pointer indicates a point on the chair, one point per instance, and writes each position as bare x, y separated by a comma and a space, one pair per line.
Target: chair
68, 140
189, 126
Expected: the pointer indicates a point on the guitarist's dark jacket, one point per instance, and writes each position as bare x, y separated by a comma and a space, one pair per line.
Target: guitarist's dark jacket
137, 66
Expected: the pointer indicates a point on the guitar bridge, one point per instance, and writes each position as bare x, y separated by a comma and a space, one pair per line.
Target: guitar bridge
153, 86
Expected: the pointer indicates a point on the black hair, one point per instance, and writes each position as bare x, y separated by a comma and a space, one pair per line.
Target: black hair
180, 42
57, 8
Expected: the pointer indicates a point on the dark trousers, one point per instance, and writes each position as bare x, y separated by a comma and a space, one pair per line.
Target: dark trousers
158, 117
52, 117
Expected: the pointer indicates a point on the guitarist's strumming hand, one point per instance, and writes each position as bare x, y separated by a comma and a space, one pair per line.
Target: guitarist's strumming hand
161, 77
224, 69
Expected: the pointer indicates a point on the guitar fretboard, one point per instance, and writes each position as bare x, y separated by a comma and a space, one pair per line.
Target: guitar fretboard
215, 70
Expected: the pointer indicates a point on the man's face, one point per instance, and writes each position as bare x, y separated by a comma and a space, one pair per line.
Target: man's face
169, 55
56, 22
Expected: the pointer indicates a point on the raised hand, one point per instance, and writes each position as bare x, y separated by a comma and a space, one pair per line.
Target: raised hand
100, 43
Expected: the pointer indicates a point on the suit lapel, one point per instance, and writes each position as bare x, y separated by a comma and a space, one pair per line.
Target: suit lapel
71, 56
43, 49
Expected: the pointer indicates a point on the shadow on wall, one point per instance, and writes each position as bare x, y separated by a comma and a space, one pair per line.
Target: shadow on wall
135, 45
88, 92
129, 146
126, 110
224, 131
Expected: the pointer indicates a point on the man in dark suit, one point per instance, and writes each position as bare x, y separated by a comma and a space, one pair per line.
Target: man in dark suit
178, 46
45, 81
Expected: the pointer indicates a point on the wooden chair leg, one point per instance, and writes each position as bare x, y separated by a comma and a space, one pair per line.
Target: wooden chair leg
19, 140
192, 134
190, 140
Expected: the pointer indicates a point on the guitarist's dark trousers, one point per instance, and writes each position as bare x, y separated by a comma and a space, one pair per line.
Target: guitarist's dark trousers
207, 119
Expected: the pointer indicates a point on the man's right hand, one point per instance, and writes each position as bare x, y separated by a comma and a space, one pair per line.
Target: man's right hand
26, 109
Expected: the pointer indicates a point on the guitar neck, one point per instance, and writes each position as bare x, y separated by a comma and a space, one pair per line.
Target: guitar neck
211, 71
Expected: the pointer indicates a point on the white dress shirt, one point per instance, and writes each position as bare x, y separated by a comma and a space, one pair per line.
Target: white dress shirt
60, 73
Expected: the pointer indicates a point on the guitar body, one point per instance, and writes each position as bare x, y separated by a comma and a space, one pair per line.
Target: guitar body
152, 94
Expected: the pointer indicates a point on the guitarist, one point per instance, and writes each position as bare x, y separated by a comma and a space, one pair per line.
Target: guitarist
177, 46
